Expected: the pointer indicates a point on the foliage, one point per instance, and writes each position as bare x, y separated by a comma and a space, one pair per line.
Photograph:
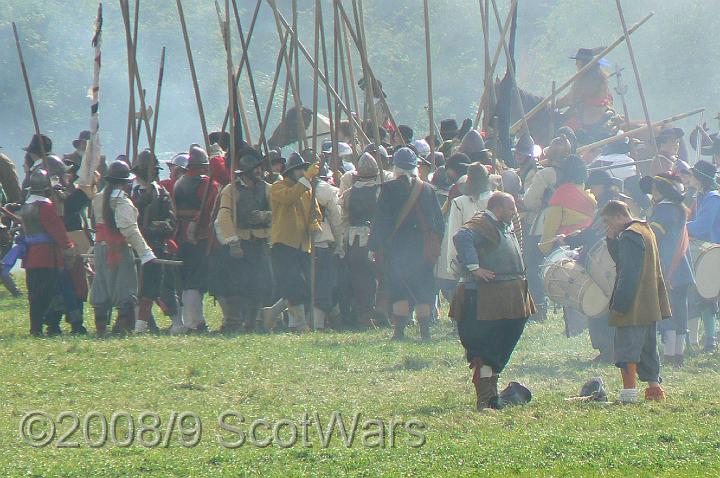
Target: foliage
677, 63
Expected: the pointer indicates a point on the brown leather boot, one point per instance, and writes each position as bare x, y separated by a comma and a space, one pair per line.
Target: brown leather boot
101, 320
486, 390
399, 323
425, 330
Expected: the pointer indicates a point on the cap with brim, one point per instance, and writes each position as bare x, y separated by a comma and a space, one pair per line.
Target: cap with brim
295, 161
705, 171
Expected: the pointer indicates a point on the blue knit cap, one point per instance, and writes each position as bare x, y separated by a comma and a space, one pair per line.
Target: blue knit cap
405, 158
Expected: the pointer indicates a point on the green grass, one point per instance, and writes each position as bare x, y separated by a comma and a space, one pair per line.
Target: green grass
283, 376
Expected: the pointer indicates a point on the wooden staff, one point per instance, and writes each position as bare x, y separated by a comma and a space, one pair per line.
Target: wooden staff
511, 66
486, 101
315, 99
428, 69
322, 77
232, 95
302, 143
328, 98
351, 70
581, 72
628, 43
251, 79
161, 74
291, 78
552, 116
278, 66
342, 42
244, 58
484, 9
361, 51
612, 139
238, 92
125, 10
193, 74
313, 194
136, 77
369, 109
28, 90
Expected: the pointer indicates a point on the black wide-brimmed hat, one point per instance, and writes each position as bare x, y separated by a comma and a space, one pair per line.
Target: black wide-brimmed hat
295, 161
35, 146
587, 54
82, 139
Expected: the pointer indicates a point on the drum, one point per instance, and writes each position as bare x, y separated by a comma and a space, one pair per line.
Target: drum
706, 266
601, 267
567, 283
554, 257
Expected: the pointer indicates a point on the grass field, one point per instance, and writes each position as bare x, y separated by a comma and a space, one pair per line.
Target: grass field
276, 377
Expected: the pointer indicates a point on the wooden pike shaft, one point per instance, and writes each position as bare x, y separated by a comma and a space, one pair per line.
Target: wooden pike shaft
428, 69
580, 72
28, 90
315, 106
302, 142
251, 79
612, 139
361, 51
628, 43
485, 101
161, 74
232, 92
322, 77
294, 81
193, 73
278, 67
328, 97
369, 78
225, 30
511, 66
243, 60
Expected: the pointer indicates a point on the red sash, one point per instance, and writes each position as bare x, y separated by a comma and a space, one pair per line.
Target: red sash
115, 242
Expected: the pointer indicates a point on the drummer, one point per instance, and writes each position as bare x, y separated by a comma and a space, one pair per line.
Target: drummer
705, 226
668, 218
570, 210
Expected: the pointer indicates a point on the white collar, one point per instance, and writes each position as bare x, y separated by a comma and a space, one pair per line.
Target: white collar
118, 193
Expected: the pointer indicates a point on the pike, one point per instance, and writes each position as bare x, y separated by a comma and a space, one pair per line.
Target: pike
363, 53
193, 74
244, 59
511, 62
579, 73
29, 94
91, 155
313, 193
251, 80
289, 78
238, 92
628, 43
369, 108
428, 69
486, 102
621, 90
322, 77
278, 66
161, 75
232, 92
613, 139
